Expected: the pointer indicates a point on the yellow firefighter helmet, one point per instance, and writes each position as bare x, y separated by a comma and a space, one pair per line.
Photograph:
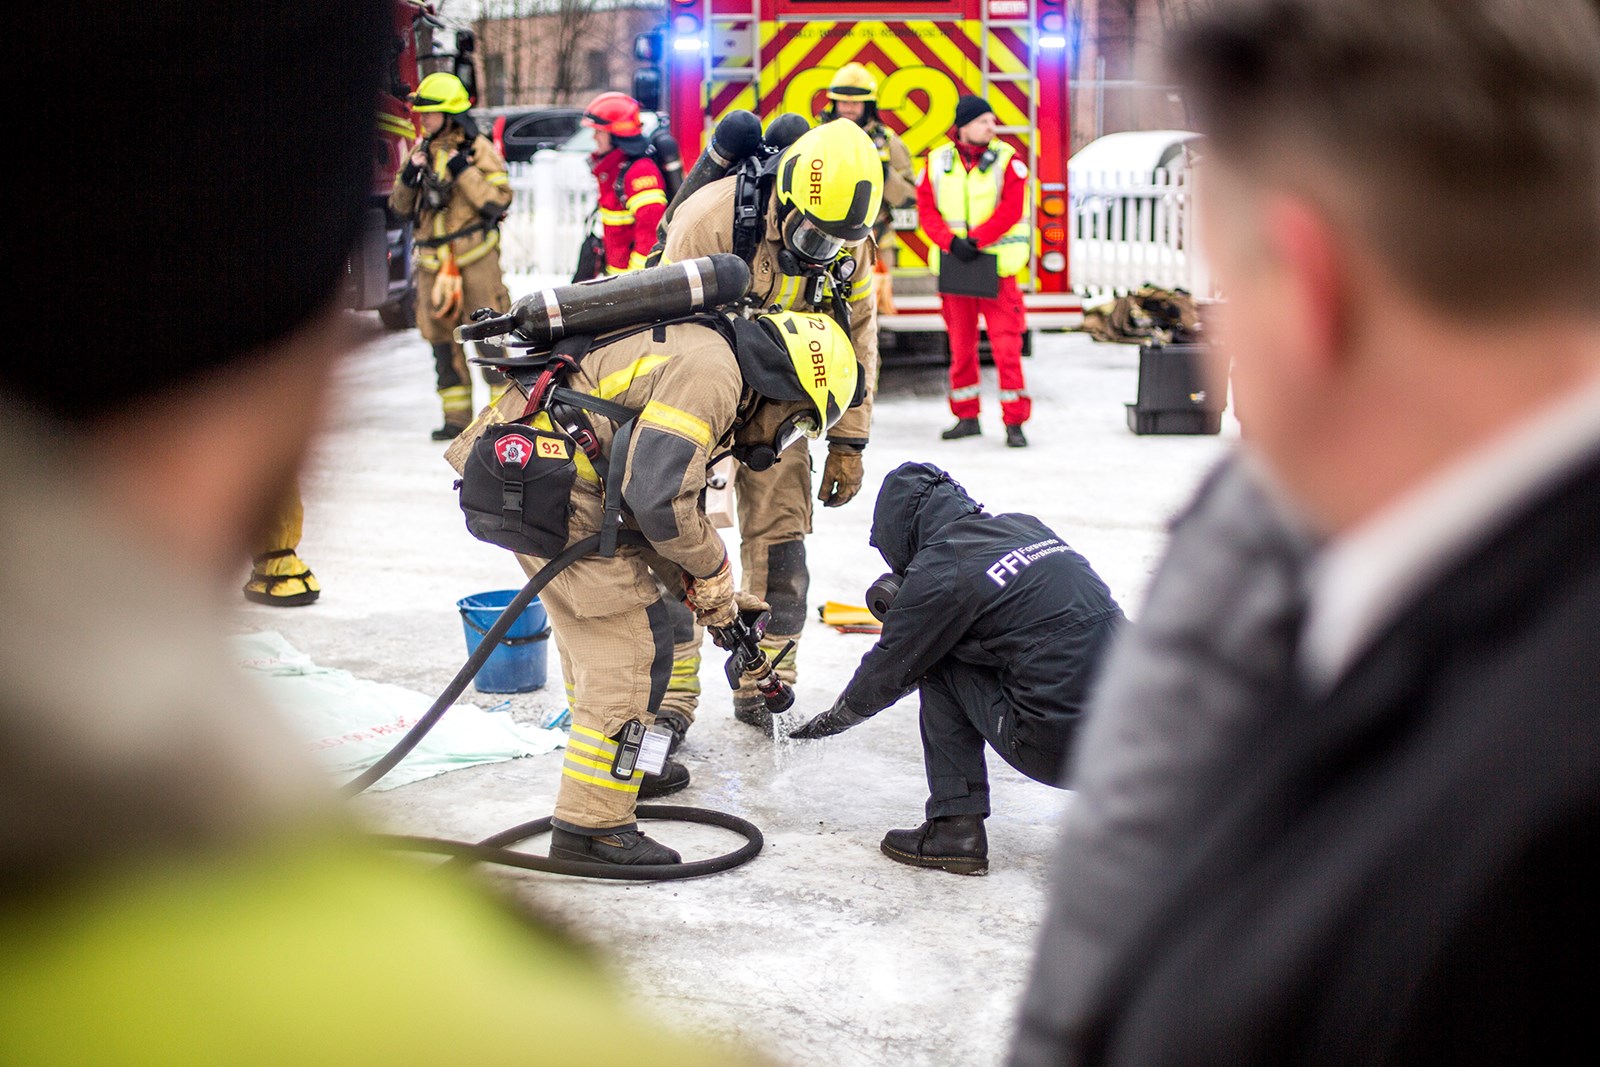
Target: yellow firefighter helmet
441, 92
806, 357
832, 178
853, 82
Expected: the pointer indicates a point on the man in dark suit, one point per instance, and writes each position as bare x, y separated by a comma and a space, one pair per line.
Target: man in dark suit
1340, 790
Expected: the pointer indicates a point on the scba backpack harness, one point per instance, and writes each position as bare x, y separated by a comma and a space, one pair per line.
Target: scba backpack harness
517, 482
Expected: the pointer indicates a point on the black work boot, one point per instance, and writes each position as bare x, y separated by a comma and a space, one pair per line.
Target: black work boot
448, 432
673, 777
954, 843
627, 847
751, 710
1014, 438
962, 428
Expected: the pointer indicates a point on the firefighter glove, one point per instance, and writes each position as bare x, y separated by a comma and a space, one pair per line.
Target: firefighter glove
446, 295
963, 249
836, 720
457, 163
712, 598
412, 175
841, 475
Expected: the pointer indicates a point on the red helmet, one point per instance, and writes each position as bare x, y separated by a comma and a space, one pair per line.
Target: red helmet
616, 113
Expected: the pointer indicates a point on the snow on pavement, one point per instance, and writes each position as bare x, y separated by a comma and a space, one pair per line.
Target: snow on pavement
820, 950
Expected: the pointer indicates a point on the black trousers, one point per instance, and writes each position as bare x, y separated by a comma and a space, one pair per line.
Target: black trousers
964, 709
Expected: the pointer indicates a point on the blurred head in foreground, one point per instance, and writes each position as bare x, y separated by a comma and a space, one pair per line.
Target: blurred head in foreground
1403, 211
180, 271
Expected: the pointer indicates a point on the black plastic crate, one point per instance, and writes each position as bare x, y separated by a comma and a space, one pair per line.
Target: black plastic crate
1173, 397
1174, 422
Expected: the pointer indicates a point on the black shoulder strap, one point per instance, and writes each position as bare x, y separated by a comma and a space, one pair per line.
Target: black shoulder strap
617, 413
752, 189
611, 517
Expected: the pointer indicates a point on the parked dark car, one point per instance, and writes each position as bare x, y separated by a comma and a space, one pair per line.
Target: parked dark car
519, 132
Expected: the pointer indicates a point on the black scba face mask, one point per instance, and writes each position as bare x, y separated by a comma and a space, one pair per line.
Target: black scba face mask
756, 449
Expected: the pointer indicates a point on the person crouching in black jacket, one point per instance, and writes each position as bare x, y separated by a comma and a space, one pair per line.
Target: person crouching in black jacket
1000, 626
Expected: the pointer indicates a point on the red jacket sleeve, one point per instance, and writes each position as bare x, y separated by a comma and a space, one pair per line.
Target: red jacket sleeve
928, 216
1008, 212
646, 196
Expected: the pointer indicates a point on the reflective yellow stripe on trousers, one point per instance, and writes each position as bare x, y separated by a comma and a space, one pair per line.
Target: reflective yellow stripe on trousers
589, 757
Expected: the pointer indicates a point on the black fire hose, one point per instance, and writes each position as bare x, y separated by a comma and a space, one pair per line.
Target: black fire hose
495, 849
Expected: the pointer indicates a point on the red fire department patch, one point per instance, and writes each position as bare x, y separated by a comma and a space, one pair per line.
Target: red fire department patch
513, 450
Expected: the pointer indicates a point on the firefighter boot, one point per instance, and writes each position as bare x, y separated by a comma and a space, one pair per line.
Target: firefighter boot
281, 579
673, 777
455, 390
625, 847
676, 724
1014, 437
954, 843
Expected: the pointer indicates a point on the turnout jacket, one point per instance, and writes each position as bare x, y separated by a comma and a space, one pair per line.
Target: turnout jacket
703, 225
483, 186
998, 591
686, 387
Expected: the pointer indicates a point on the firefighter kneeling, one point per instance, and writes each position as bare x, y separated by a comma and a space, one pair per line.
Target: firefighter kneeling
682, 396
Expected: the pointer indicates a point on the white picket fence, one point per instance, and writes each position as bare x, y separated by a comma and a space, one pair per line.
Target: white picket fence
1135, 228
1128, 229
551, 198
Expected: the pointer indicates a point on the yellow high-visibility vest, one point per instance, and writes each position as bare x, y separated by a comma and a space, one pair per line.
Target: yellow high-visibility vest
967, 198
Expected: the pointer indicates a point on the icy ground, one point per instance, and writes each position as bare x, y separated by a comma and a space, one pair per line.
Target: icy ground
819, 951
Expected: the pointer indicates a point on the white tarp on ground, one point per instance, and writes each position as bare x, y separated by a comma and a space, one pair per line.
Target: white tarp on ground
349, 723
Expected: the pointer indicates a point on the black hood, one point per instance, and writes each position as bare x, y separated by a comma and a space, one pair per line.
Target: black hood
917, 501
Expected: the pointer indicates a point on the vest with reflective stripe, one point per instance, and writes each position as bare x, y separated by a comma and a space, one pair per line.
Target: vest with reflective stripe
968, 197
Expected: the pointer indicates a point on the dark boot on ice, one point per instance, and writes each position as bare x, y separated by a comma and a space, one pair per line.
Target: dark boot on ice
673, 777
626, 847
954, 843
750, 709
1014, 437
962, 428
676, 724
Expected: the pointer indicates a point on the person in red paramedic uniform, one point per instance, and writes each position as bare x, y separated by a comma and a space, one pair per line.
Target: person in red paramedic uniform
633, 195
971, 202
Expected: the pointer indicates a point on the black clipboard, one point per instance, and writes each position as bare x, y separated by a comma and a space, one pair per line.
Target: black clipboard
980, 277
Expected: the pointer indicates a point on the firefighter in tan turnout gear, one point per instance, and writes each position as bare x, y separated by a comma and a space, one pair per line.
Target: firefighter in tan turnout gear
697, 396
853, 96
455, 190
817, 202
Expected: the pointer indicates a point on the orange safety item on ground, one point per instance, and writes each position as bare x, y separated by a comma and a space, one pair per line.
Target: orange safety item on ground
849, 618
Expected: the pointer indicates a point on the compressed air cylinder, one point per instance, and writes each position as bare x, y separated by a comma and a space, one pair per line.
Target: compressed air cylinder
639, 297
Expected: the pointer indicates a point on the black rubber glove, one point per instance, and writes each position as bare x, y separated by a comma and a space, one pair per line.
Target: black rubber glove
457, 163
836, 720
411, 176
963, 249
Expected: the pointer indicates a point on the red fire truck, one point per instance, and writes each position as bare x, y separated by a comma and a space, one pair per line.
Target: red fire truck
775, 56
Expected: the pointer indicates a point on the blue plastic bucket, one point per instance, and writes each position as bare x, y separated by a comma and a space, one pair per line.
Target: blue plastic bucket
518, 663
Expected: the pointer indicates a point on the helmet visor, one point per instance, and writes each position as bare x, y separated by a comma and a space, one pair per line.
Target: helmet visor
790, 430
806, 240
